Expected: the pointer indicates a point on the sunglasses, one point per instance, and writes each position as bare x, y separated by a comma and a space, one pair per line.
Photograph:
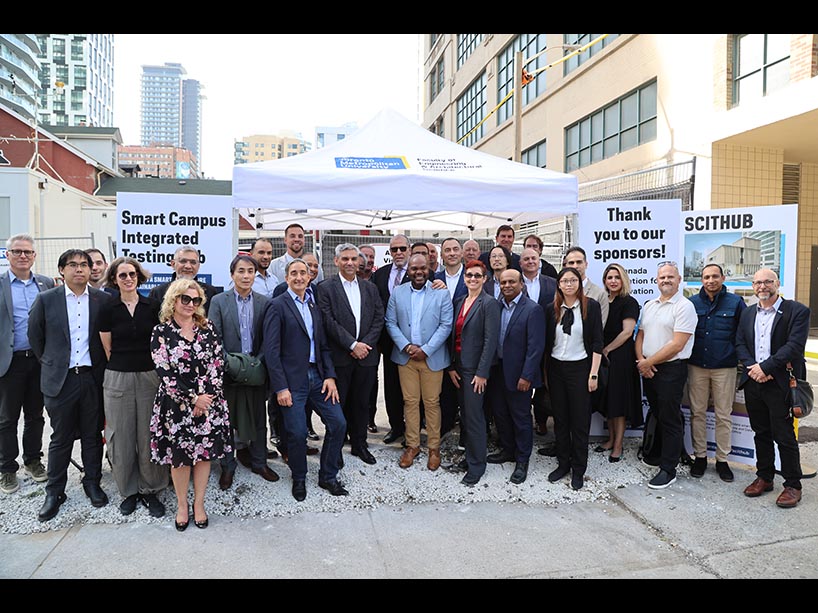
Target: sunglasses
474, 275
127, 275
197, 301
667, 263
396, 249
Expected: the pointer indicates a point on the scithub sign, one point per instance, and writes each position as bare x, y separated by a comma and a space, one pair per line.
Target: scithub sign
150, 227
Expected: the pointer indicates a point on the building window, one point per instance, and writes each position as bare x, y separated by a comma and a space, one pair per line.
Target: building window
530, 45
761, 65
621, 125
58, 50
76, 99
80, 76
76, 48
466, 43
581, 40
436, 80
471, 108
433, 40
535, 156
437, 127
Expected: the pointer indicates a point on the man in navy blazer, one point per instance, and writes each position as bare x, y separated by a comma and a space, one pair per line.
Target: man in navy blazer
353, 315
771, 335
518, 371
19, 369
299, 365
63, 329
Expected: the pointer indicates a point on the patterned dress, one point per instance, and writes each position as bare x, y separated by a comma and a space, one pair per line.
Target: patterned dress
187, 369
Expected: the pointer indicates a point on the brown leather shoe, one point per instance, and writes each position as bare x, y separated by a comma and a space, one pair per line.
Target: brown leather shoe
789, 498
267, 473
312, 450
226, 480
434, 459
758, 487
408, 456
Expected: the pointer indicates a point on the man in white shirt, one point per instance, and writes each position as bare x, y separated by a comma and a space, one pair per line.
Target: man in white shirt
663, 345
265, 281
294, 241
575, 258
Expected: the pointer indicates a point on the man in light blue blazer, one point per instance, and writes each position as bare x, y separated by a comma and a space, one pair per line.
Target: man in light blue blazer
419, 320
19, 368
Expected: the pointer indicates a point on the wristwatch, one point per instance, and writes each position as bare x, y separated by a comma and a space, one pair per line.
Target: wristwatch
594, 377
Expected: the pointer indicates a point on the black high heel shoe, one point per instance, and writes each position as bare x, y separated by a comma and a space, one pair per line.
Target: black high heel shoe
614, 458
181, 527
201, 524
600, 449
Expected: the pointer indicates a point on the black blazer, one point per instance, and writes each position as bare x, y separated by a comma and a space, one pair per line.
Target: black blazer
592, 335
548, 269
478, 339
548, 288
788, 340
340, 322
381, 280
211, 291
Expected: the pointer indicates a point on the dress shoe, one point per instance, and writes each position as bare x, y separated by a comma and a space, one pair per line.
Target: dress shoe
128, 506
558, 473
201, 523
434, 459
724, 472
51, 506
226, 479
181, 526
520, 473
499, 457
271, 453
758, 487
789, 498
614, 458
698, 468
549, 450
470, 480
243, 456
333, 487
365, 455
313, 450
267, 473
152, 503
95, 494
285, 457
372, 428
462, 466
408, 456
299, 490
391, 437
577, 481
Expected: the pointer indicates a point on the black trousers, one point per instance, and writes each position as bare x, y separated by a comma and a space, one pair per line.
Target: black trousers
472, 421
355, 384
20, 390
768, 409
392, 393
76, 410
542, 405
664, 393
449, 404
571, 407
512, 416
373, 396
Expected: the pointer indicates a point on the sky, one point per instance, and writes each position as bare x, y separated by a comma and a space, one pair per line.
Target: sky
266, 83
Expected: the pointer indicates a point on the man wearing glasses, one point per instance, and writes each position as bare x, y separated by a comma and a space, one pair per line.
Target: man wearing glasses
186, 266
771, 337
19, 369
63, 329
663, 345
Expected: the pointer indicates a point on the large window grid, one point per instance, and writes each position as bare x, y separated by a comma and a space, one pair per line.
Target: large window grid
583, 39
530, 45
466, 44
534, 156
436, 80
761, 65
471, 108
621, 125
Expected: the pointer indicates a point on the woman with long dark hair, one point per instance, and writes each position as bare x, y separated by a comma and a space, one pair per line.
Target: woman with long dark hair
499, 260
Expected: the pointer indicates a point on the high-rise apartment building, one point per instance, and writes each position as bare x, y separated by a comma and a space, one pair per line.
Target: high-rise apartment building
263, 147
192, 115
327, 135
19, 68
85, 64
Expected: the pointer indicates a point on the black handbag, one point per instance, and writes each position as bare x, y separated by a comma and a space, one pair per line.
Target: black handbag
801, 395
598, 397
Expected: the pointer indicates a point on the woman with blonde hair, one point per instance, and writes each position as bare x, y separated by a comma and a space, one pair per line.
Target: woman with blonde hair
623, 397
190, 425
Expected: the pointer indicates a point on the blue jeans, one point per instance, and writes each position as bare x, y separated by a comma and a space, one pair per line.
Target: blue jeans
296, 426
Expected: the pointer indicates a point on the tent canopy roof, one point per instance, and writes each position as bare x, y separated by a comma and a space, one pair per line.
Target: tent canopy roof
394, 174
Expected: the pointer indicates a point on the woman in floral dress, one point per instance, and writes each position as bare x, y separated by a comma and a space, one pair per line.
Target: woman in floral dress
190, 424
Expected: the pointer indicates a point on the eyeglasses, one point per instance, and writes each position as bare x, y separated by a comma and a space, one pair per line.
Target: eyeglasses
127, 275
396, 249
197, 301
474, 275
667, 263
567, 281
187, 261
75, 265
764, 282
19, 252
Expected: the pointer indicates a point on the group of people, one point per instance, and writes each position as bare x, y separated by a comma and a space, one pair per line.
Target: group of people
165, 383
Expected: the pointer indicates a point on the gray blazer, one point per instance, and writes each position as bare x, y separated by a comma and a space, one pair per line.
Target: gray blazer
7, 317
478, 339
50, 342
601, 296
224, 314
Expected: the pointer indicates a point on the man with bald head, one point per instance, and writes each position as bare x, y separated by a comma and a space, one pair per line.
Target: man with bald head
771, 337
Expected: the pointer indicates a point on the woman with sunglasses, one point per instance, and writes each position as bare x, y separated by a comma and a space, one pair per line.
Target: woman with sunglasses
473, 346
190, 425
573, 349
129, 387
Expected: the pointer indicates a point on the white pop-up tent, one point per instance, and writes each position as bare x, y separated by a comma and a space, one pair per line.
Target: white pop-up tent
392, 173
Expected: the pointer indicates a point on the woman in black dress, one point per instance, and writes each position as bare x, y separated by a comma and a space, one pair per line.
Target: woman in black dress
623, 399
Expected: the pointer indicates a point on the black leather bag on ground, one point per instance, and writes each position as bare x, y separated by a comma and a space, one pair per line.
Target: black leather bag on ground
650, 451
801, 395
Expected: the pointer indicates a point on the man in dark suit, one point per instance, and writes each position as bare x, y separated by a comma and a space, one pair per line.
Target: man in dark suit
299, 365
238, 316
532, 241
354, 318
186, 266
520, 350
772, 335
386, 278
19, 369
505, 238
63, 329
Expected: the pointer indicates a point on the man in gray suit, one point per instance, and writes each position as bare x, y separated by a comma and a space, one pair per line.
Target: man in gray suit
353, 316
238, 316
63, 329
19, 369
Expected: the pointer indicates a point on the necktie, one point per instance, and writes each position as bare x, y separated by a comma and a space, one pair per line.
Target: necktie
397, 279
